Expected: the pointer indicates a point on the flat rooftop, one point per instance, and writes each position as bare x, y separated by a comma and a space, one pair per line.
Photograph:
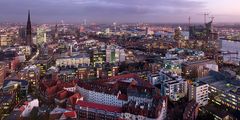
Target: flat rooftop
222, 82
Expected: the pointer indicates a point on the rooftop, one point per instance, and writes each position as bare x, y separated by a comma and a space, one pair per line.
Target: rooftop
128, 84
199, 62
15, 81
99, 106
221, 81
81, 55
199, 83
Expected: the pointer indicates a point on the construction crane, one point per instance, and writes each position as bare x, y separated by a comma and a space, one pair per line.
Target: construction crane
212, 18
205, 17
205, 14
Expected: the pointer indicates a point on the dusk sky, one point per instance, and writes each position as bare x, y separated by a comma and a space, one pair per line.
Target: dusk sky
106, 11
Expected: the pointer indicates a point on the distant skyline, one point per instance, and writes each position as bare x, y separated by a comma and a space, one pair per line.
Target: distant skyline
107, 11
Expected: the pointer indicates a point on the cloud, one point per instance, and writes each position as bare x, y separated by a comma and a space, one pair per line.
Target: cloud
97, 10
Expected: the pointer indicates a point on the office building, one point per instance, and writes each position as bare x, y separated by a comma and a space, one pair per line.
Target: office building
198, 69
98, 57
82, 59
41, 37
223, 89
115, 54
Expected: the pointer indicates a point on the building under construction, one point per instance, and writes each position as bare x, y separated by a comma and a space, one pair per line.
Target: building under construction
202, 32
203, 37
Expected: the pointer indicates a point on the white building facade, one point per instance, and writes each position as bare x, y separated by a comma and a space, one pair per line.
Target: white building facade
173, 86
198, 92
73, 61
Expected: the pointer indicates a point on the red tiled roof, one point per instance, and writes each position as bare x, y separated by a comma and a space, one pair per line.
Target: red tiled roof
51, 90
113, 84
122, 97
62, 94
66, 84
54, 86
137, 79
71, 114
99, 106
73, 98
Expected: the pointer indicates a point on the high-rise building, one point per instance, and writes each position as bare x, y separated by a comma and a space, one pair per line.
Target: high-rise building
198, 92
98, 57
41, 36
29, 30
110, 55
115, 54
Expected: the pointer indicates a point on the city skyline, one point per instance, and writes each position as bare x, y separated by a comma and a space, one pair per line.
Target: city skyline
119, 60
107, 11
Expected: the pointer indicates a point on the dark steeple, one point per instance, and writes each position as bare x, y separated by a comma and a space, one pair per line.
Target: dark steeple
29, 30
56, 32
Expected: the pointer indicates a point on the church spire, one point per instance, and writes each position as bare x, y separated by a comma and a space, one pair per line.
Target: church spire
29, 30
29, 17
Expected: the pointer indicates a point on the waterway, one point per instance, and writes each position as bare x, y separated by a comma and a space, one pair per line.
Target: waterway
231, 48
